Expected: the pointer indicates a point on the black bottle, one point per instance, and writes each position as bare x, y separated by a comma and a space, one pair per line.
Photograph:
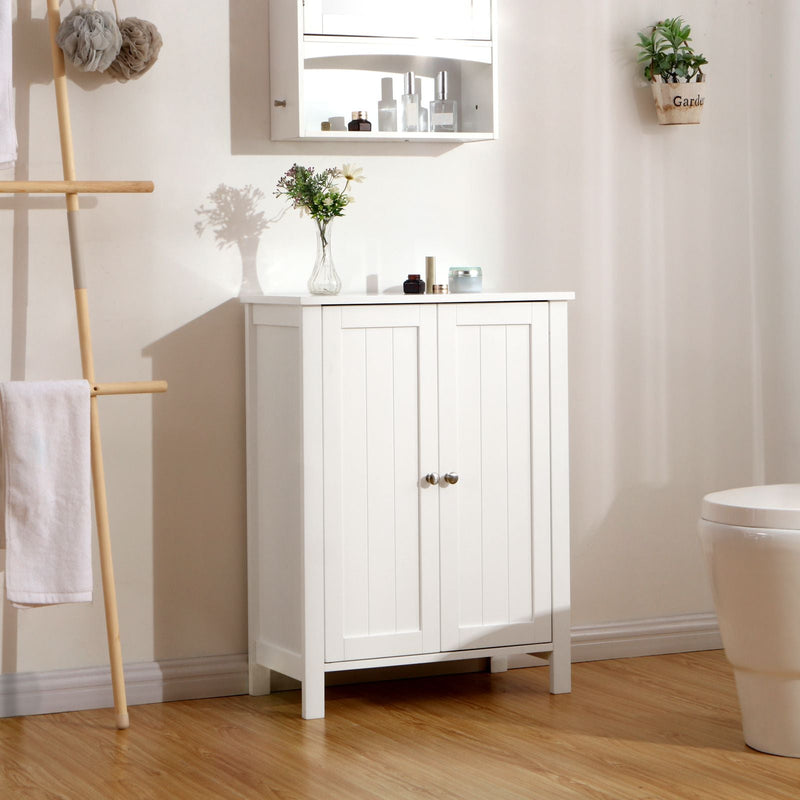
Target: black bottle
414, 285
359, 122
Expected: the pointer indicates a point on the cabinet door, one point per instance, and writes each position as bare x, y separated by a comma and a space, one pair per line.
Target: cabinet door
494, 410
380, 439
450, 19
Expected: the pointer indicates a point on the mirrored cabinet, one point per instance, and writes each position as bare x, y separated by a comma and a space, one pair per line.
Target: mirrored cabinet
416, 71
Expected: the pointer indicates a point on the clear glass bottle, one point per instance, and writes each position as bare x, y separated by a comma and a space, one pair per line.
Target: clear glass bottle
423, 112
387, 107
409, 105
443, 111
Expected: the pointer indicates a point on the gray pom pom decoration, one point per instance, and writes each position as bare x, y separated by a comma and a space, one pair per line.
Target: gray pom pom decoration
89, 38
141, 43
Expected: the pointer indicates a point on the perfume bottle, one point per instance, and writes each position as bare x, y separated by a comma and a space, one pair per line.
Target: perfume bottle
414, 285
430, 270
359, 122
443, 111
423, 112
387, 107
409, 105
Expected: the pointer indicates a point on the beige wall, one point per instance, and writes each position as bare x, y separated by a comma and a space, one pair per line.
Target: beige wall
656, 229
776, 204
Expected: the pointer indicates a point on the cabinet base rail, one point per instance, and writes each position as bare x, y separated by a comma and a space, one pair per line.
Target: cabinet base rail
272, 657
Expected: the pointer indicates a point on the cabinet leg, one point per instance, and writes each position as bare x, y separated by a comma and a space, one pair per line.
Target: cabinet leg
498, 664
259, 679
560, 671
313, 696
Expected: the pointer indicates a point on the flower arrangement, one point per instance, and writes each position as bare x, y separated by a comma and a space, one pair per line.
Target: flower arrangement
316, 193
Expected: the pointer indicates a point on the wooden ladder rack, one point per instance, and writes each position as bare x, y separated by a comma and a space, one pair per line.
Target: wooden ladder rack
71, 188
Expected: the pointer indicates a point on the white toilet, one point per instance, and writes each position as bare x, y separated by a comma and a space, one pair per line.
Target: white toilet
751, 540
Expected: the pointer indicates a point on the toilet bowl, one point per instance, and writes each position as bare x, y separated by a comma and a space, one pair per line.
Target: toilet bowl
751, 541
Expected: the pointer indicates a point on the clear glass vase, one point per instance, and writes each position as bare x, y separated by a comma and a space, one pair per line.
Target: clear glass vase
324, 279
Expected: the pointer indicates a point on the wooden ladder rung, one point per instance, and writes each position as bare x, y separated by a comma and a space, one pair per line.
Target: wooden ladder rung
75, 187
131, 387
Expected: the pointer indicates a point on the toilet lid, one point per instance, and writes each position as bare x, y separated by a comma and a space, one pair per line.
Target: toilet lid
775, 506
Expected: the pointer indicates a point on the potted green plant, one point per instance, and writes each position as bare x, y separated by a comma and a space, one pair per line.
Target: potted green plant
670, 64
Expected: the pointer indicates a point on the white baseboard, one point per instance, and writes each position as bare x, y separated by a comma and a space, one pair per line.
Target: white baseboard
646, 637
22, 694
27, 693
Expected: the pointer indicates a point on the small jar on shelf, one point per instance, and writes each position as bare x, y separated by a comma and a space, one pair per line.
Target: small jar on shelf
359, 122
414, 285
465, 279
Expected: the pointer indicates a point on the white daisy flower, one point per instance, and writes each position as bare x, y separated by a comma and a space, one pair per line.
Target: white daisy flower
352, 173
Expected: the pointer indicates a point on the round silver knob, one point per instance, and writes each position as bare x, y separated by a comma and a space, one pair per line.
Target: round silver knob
432, 478
451, 477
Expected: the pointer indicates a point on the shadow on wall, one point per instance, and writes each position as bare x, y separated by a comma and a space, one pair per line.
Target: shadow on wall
235, 219
199, 569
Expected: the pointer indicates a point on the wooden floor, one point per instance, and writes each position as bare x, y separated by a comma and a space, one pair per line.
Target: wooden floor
659, 727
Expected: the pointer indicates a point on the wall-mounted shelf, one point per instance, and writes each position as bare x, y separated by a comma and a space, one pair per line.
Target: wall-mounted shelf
324, 64
441, 19
388, 136
456, 49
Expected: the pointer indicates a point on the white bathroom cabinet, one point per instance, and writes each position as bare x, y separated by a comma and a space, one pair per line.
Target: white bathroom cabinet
407, 483
328, 57
442, 19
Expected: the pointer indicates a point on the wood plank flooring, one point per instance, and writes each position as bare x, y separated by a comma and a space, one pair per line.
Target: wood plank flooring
650, 728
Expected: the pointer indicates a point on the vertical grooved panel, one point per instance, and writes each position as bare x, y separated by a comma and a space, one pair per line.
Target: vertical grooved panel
380, 480
494, 498
468, 490
355, 545
406, 479
520, 597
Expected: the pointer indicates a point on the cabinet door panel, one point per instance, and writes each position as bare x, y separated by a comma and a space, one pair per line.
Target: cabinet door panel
452, 19
381, 559
494, 432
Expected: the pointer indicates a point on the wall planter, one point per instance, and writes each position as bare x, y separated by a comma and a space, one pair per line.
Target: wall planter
674, 72
679, 103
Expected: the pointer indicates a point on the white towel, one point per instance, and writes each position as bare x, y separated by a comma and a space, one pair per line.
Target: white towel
45, 502
8, 134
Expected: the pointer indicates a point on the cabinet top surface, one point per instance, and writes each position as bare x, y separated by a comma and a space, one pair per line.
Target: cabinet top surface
383, 299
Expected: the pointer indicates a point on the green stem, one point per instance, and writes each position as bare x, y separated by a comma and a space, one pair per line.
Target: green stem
323, 226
